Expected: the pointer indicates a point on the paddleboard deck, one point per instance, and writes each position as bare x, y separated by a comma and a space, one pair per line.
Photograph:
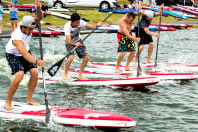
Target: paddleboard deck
122, 82
172, 76
67, 116
100, 73
145, 65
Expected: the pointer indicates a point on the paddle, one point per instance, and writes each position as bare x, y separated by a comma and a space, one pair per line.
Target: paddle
47, 116
138, 66
158, 38
54, 68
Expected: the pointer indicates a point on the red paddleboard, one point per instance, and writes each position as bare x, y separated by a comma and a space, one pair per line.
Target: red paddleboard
67, 116
122, 82
19, 6
47, 32
172, 25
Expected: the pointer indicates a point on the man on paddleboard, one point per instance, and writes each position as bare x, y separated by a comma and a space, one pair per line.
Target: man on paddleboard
126, 42
145, 33
72, 34
20, 60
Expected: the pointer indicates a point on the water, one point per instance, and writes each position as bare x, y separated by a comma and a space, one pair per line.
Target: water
173, 108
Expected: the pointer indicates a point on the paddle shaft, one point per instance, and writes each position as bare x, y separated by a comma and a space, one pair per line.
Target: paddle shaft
138, 66
158, 38
43, 76
54, 68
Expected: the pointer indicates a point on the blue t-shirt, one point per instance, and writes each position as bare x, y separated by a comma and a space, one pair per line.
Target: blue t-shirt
15, 2
1, 8
13, 13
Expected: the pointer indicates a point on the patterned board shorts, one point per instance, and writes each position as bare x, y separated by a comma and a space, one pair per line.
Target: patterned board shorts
80, 50
125, 44
18, 63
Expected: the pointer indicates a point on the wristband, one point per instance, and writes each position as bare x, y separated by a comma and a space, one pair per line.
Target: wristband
35, 63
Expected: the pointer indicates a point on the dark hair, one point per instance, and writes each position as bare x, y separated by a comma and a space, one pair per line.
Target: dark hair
75, 17
131, 14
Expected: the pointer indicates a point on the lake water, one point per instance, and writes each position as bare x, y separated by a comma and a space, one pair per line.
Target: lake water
173, 108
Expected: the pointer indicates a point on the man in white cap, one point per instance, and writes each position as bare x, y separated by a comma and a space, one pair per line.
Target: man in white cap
145, 33
20, 60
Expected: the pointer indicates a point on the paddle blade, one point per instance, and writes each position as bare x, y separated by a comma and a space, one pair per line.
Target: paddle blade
54, 68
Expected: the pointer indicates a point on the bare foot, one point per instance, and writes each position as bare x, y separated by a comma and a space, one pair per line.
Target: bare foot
134, 63
149, 61
118, 71
8, 105
32, 102
81, 77
66, 78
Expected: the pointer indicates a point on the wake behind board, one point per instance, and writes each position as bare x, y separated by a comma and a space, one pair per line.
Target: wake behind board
67, 116
121, 82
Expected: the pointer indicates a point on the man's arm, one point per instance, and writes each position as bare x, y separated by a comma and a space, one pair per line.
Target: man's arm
151, 33
94, 26
21, 48
68, 39
161, 10
126, 32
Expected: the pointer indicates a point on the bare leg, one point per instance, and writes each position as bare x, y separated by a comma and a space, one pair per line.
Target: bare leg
131, 55
119, 60
12, 25
16, 24
13, 87
140, 50
67, 66
82, 66
150, 50
32, 85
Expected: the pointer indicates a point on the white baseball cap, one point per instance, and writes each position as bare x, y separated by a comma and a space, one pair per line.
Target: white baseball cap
28, 21
149, 14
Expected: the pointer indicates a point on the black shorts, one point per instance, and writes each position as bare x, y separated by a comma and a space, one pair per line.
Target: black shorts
13, 19
145, 38
18, 63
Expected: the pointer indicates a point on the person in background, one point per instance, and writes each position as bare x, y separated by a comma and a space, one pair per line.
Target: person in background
1, 18
20, 60
72, 35
15, 2
145, 33
44, 9
34, 8
126, 42
13, 17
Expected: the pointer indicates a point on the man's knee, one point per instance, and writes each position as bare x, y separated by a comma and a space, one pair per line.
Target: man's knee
19, 76
34, 72
86, 58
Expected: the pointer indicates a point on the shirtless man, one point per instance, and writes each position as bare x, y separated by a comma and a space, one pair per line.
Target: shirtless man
126, 41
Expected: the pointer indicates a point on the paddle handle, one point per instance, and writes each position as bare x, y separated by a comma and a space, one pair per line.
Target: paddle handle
158, 38
138, 52
43, 76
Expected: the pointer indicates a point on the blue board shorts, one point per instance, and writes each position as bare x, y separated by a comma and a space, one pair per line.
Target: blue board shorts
80, 50
19, 63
